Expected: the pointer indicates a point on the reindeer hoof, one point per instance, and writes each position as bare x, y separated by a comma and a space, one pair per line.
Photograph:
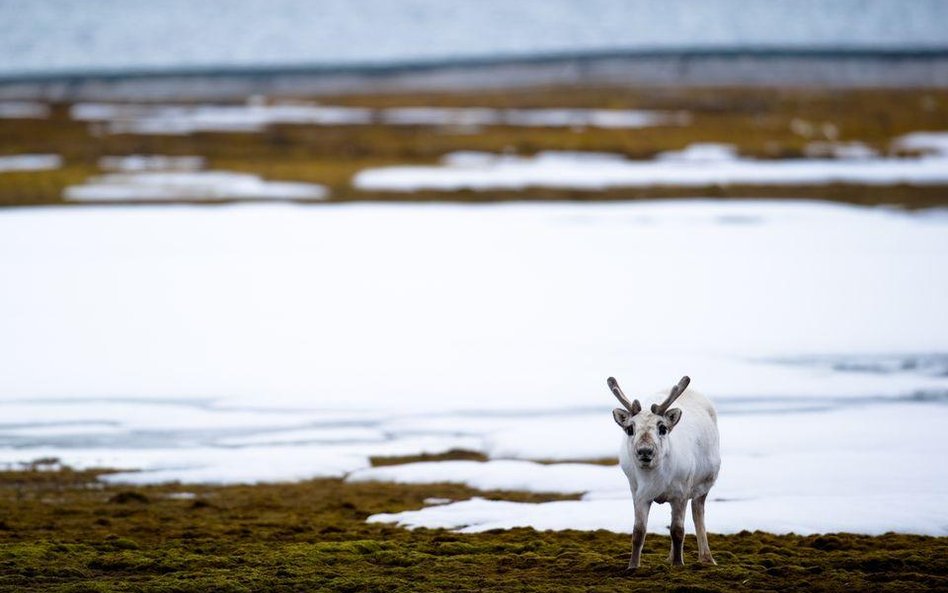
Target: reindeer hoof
707, 559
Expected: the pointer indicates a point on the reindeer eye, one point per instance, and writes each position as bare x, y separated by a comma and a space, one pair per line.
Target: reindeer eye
662, 430
630, 430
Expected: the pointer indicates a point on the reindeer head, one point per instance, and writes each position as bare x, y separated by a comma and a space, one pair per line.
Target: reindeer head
648, 431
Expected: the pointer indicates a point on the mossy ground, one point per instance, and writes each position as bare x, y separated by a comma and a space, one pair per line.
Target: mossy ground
758, 121
64, 531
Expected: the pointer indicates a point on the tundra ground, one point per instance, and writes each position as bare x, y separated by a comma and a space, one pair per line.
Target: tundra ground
762, 123
66, 531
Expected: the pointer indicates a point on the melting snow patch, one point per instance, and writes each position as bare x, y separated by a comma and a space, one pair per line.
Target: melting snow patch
140, 162
446, 116
198, 185
930, 142
23, 110
30, 162
255, 116
839, 150
187, 119
552, 118
696, 166
593, 118
181, 496
500, 475
804, 471
701, 152
869, 514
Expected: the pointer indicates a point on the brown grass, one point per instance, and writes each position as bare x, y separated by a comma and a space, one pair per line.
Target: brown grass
757, 121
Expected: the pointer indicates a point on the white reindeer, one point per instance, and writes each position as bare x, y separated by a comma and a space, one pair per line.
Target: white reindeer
669, 455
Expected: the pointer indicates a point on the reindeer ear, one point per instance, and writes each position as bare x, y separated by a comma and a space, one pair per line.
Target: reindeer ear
621, 416
672, 416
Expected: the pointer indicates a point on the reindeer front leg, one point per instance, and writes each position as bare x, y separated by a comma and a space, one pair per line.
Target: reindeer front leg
676, 556
697, 513
638, 532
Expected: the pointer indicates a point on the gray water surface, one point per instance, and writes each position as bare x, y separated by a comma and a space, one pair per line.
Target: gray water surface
63, 36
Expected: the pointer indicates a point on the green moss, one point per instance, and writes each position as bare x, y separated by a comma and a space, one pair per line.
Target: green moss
64, 534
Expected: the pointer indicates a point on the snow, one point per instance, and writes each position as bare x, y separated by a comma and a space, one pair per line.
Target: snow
286, 301
331, 434
274, 342
151, 162
849, 469
595, 118
30, 162
553, 118
874, 515
931, 142
432, 116
256, 115
187, 119
701, 152
500, 475
187, 185
839, 150
181, 496
23, 110
696, 166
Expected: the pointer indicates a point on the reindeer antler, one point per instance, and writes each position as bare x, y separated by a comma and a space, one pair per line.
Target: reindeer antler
635, 407
672, 396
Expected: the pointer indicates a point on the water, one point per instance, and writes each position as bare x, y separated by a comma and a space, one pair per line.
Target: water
43, 36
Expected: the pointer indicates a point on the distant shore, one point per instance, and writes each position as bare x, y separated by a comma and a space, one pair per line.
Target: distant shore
786, 67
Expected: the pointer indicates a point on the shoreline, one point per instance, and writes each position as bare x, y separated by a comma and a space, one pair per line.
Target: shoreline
829, 68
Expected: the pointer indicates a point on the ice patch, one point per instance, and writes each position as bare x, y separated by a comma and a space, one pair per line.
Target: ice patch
195, 185
697, 166
30, 162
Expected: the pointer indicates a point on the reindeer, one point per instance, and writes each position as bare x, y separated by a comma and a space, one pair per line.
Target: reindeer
669, 455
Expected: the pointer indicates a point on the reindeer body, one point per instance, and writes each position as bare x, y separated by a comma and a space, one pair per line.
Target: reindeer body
669, 455
692, 457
